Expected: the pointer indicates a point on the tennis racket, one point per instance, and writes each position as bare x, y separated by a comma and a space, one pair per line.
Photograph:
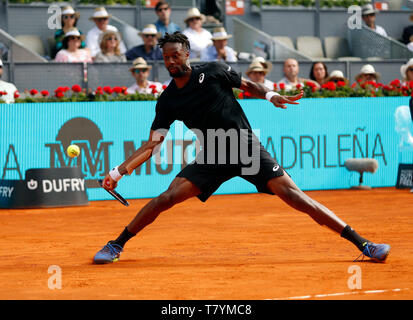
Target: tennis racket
115, 194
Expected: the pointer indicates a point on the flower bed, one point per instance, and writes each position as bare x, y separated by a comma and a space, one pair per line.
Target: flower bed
328, 90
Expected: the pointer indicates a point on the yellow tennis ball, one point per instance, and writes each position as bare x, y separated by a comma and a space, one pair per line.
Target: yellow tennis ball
73, 151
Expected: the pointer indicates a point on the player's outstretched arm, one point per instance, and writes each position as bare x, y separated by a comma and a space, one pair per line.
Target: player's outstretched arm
139, 157
260, 91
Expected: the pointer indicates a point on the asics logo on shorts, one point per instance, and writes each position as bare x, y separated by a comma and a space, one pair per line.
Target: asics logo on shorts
201, 77
276, 168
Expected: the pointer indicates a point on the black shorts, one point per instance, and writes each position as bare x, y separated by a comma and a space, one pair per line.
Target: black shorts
209, 177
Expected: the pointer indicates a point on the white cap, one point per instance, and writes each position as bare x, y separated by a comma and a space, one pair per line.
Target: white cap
73, 32
68, 10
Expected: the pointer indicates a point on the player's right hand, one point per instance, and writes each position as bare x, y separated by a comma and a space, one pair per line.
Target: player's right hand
109, 183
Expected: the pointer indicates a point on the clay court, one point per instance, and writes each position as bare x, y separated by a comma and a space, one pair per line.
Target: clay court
232, 247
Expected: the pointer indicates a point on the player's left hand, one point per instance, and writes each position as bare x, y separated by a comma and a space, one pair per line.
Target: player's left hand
280, 101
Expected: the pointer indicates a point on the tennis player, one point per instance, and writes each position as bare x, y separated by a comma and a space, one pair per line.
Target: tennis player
202, 97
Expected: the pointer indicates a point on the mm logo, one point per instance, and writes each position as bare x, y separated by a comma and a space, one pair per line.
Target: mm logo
94, 156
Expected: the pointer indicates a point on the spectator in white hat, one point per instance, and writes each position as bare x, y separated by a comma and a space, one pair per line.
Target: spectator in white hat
258, 70
101, 19
199, 38
368, 14
337, 76
71, 51
140, 71
367, 73
149, 49
219, 49
69, 20
406, 71
7, 89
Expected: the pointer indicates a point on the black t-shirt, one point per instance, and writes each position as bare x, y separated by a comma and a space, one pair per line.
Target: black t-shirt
205, 102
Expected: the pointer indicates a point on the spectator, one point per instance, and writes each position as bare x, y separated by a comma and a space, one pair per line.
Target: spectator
109, 48
71, 51
257, 72
368, 14
101, 19
164, 23
406, 71
408, 33
69, 20
199, 38
149, 49
291, 79
219, 49
140, 71
367, 73
337, 76
7, 89
319, 73
4, 52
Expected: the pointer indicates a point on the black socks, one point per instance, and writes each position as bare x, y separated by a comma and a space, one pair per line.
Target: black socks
352, 236
124, 237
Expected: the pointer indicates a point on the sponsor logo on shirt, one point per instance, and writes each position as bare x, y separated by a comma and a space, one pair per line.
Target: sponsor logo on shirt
201, 77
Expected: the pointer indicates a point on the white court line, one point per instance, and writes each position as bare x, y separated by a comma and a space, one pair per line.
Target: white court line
339, 294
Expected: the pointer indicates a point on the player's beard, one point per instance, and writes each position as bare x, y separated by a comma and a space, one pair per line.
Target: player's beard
180, 71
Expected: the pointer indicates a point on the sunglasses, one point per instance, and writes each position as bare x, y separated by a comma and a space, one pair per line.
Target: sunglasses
137, 71
69, 17
194, 19
73, 38
112, 38
163, 9
410, 69
149, 35
101, 19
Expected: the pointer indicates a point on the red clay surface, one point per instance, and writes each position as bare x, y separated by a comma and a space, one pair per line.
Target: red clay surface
232, 247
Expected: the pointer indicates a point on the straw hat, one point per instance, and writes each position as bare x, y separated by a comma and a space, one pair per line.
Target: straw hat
256, 66
368, 69
100, 12
140, 63
368, 9
193, 13
150, 29
336, 75
69, 10
266, 64
404, 67
219, 33
74, 32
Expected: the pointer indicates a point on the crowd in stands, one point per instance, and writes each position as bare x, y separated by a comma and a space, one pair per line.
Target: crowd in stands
103, 43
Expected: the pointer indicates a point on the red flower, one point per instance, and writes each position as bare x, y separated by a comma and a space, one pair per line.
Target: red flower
247, 94
354, 85
411, 84
118, 90
341, 84
154, 90
59, 93
282, 86
395, 83
310, 84
240, 95
164, 87
44, 93
152, 86
108, 90
124, 90
298, 86
76, 88
16, 94
329, 86
66, 89
33, 92
275, 87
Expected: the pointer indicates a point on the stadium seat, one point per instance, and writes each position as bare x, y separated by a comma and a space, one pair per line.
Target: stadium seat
336, 47
311, 47
285, 40
349, 59
32, 42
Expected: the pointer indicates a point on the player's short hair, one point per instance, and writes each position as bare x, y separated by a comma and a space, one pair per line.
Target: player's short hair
161, 3
176, 37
